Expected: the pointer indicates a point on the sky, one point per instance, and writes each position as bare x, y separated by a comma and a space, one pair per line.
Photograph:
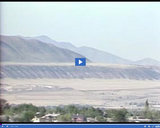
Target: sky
130, 30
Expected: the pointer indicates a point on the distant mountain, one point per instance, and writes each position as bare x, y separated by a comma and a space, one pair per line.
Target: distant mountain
148, 61
17, 49
95, 55
65, 45
43, 38
101, 56
92, 54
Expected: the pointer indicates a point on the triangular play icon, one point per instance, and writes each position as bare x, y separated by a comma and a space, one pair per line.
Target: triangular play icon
80, 61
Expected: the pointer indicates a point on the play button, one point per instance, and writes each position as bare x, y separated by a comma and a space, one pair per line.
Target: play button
80, 61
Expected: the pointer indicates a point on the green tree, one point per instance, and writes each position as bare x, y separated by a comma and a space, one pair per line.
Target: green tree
60, 110
27, 116
147, 105
110, 112
120, 115
100, 119
155, 115
71, 109
64, 118
147, 112
42, 111
49, 110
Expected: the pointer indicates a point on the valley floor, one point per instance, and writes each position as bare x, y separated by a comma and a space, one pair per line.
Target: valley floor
106, 93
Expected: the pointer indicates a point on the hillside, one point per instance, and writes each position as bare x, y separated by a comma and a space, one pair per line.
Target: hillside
148, 61
46, 39
101, 56
16, 49
60, 48
94, 55
33, 71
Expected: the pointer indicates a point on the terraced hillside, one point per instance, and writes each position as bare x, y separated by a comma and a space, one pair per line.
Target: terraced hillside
34, 71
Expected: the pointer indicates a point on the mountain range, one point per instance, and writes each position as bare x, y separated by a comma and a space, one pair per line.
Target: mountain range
42, 57
16, 49
95, 55
45, 49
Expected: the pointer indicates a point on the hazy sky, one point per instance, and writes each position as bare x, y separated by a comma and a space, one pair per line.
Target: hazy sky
129, 30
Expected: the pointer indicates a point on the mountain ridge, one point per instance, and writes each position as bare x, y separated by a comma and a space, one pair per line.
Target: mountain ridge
93, 54
72, 72
83, 51
100, 56
16, 49
148, 61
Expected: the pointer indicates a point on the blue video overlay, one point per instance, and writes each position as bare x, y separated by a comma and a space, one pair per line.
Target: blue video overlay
80, 125
80, 61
